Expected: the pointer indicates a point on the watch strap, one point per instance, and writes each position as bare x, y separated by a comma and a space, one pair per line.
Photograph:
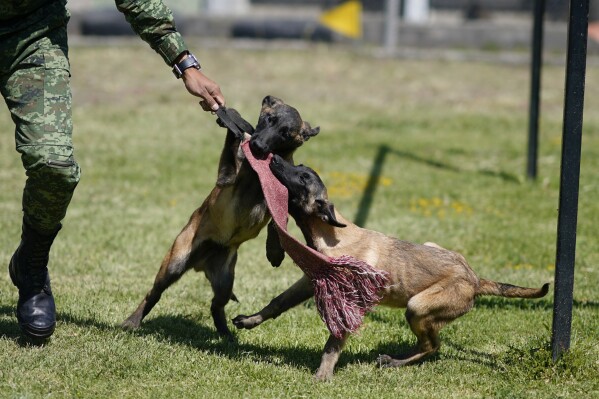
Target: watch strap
190, 62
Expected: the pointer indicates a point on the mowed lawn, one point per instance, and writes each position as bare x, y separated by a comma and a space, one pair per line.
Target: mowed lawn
421, 150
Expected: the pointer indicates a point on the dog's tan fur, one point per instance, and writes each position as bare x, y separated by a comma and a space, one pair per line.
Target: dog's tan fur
233, 212
436, 285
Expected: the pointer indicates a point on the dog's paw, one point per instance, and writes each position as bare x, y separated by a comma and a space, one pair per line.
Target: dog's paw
130, 324
246, 322
323, 376
384, 361
239, 320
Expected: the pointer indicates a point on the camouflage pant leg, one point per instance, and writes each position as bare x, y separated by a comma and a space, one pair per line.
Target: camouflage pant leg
37, 92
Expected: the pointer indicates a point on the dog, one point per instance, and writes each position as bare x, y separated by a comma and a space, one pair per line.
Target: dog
434, 284
234, 212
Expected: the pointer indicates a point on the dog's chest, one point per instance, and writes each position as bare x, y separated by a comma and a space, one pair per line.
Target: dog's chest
249, 217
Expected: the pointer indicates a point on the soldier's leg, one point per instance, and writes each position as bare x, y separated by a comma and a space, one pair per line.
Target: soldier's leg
38, 95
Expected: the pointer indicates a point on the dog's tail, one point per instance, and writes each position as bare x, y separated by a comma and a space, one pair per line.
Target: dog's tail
488, 287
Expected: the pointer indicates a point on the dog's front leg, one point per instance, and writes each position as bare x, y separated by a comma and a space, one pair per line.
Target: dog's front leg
274, 251
227, 165
332, 350
293, 296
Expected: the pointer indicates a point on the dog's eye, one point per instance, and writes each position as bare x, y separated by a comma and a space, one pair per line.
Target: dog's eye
284, 131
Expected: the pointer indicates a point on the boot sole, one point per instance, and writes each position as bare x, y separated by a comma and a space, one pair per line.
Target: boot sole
37, 333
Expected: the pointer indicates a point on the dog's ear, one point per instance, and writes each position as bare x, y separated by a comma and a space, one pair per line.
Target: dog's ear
271, 101
326, 212
308, 132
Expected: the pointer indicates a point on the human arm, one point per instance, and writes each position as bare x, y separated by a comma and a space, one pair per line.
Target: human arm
153, 21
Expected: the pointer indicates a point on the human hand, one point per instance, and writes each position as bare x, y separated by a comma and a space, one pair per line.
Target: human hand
201, 86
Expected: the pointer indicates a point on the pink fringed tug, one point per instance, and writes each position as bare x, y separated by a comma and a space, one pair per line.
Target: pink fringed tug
345, 288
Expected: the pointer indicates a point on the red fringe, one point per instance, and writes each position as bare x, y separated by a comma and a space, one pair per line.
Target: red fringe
345, 292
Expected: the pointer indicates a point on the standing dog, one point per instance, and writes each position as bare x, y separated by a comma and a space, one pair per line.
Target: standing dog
234, 212
434, 284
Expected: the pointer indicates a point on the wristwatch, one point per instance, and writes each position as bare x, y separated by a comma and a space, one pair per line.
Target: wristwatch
190, 62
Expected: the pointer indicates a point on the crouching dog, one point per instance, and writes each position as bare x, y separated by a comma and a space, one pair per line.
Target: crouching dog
234, 212
434, 284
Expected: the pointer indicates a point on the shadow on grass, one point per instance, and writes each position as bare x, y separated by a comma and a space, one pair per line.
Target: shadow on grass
198, 336
473, 356
188, 332
9, 330
377, 167
183, 331
492, 302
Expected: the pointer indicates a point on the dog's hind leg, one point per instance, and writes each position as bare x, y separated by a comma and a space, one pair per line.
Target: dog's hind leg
220, 271
175, 263
428, 342
293, 296
427, 312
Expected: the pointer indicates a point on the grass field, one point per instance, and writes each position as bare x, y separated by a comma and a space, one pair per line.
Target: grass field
447, 141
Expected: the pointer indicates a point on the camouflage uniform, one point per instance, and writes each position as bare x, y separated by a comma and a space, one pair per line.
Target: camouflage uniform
34, 81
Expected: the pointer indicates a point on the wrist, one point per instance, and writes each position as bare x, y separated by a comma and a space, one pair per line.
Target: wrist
184, 61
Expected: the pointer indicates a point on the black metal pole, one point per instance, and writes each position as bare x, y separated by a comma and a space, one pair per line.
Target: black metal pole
570, 173
535, 88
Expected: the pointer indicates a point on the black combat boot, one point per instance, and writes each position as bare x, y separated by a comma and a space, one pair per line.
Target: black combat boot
28, 270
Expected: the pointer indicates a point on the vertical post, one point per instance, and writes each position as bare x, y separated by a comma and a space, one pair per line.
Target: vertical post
569, 176
535, 88
391, 25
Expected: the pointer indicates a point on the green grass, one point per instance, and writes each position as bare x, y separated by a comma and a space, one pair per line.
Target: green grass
450, 140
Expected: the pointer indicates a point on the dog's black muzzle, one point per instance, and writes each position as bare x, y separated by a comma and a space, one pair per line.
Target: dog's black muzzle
278, 167
258, 149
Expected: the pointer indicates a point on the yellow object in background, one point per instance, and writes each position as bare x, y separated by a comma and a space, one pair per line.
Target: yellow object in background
345, 19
